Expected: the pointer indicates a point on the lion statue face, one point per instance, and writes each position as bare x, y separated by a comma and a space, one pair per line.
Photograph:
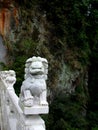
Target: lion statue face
36, 66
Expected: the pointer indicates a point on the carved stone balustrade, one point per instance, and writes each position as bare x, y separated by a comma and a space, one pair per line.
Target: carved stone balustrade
22, 113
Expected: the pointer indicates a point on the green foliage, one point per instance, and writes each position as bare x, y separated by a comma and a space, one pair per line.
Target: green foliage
93, 68
95, 128
18, 66
68, 21
27, 4
69, 24
27, 47
66, 114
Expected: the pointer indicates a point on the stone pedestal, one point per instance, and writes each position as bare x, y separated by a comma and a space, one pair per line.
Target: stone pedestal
35, 110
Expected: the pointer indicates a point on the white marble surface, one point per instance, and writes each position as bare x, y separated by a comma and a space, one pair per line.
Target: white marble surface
33, 96
35, 110
23, 113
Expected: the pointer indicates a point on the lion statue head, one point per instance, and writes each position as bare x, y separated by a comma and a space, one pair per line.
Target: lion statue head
36, 66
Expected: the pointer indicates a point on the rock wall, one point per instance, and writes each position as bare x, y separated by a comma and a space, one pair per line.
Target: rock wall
2, 51
26, 33
8, 18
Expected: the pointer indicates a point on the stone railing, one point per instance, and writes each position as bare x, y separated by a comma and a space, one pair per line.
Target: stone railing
22, 113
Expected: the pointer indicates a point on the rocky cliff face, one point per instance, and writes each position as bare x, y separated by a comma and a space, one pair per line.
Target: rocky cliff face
8, 23
8, 18
60, 32
27, 32
18, 25
2, 51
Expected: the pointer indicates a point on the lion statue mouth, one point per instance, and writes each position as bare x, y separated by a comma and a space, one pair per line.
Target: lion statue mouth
36, 72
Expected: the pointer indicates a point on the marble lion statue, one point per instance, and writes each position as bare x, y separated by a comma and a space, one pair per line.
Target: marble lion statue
33, 89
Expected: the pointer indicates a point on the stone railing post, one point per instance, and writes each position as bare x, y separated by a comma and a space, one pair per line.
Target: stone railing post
7, 80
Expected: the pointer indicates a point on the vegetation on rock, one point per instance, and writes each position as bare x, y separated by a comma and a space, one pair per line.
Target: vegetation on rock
66, 33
